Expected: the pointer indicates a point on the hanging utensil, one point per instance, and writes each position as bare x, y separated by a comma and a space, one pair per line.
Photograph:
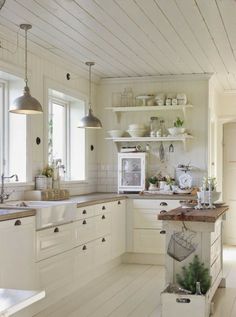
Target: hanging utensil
162, 153
171, 148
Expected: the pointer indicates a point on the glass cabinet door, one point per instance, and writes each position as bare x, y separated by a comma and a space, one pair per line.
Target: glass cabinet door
131, 169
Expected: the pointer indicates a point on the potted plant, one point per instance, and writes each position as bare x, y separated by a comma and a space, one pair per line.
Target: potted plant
152, 180
178, 127
48, 172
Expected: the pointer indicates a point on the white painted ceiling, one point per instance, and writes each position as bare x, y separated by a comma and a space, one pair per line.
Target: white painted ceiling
131, 37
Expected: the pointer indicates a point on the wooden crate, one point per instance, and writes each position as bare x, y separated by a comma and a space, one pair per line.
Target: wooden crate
186, 305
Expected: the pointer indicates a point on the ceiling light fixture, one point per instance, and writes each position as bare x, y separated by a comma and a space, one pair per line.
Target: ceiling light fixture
26, 104
90, 121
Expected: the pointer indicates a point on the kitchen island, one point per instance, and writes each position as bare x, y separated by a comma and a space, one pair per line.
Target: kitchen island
197, 232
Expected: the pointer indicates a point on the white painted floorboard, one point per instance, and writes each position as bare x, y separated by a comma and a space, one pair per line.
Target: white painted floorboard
132, 290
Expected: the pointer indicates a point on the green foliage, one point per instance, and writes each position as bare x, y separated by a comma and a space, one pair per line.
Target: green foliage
48, 171
178, 122
152, 180
195, 272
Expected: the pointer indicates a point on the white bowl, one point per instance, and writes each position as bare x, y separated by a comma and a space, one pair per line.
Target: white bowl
136, 133
176, 131
115, 133
136, 126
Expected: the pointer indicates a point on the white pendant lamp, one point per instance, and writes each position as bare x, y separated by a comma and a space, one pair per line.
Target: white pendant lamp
26, 104
90, 121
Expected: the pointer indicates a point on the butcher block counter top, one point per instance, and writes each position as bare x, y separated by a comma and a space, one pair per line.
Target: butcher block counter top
8, 213
191, 214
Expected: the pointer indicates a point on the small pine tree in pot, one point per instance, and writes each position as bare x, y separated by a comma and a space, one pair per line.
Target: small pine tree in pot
195, 272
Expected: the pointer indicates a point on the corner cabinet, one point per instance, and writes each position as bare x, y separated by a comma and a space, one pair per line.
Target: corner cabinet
184, 138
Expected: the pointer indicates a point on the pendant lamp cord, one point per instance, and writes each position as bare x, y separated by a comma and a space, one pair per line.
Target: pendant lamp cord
90, 87
26, 78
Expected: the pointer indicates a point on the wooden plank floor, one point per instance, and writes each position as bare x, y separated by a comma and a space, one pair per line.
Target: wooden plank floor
132, 290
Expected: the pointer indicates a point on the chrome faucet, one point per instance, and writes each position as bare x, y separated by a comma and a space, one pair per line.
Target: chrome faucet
4, 195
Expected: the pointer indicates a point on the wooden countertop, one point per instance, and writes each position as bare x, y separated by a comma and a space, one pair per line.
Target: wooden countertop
8, 213
190, 214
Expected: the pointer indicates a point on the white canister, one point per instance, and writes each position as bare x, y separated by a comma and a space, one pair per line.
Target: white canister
41, 182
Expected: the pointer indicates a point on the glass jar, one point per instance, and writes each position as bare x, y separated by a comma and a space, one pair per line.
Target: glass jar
163, 130
154, 126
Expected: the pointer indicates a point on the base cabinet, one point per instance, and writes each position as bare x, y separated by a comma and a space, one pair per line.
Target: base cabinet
17, 249
55, 272
118, 228
148, 241
148, 235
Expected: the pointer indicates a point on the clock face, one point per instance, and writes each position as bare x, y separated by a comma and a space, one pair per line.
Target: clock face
185, 181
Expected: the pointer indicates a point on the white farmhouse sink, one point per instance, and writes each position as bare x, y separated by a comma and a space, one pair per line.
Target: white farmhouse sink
49, 213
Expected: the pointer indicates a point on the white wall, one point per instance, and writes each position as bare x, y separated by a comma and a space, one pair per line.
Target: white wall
42, 72
197, 91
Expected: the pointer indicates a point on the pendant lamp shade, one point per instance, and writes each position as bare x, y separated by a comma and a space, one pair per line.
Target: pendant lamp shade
90, 121
26, 104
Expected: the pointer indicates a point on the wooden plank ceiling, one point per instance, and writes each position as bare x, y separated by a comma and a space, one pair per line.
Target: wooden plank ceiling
131, 37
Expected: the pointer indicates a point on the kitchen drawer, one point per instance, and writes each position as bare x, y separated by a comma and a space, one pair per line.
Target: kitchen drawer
215, 269
17, 224
85, 230
146, 219
102, 250
103, 224
54, 240
84, 212
160, 204
56, 272
105, 207
148, 241
216, 249
84, 258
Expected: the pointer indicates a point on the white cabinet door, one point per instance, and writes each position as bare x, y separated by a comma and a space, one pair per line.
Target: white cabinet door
85, 230
103, 224
52, 241
84, 258
56, 272
148, 241
102, 250
17, 242
118, 231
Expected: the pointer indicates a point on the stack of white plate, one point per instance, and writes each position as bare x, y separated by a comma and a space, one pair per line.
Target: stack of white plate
136, 130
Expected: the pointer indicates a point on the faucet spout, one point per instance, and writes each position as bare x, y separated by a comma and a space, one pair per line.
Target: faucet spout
4, 195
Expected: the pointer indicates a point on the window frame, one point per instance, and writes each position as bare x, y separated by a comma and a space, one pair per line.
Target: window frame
52, 85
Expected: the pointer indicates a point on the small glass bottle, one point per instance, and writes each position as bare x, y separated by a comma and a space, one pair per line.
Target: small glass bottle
198, 289
154, 126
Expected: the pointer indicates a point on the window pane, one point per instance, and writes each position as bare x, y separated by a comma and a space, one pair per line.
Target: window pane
17, 146
77, 142
57, 132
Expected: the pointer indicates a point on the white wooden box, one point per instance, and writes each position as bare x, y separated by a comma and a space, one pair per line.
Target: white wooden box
173, 305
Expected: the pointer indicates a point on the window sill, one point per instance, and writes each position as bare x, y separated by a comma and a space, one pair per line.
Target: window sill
18, 184
74, 182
